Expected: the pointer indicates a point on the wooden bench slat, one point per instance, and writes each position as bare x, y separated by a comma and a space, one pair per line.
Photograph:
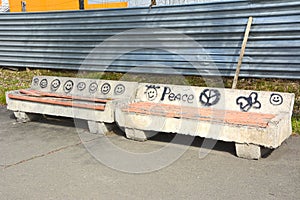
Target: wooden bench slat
202, 114
47, 94
60, 102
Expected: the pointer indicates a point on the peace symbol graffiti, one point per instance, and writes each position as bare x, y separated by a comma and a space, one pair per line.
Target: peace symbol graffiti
209, 97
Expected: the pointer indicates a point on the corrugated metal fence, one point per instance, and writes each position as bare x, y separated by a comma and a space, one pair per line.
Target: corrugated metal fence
63, 40
137, 3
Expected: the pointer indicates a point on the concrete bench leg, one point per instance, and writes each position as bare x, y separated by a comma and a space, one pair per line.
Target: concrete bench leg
248, 151
138, 135
99, 127
26, 117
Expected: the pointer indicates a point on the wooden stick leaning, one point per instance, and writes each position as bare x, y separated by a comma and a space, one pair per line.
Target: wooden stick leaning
238, 67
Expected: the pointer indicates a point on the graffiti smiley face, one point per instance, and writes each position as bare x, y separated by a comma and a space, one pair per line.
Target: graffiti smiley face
68, 86
55, 84
119, 89
151, 92
35, 81
43, 83
105, 88
93, 87
81, 86
276, 99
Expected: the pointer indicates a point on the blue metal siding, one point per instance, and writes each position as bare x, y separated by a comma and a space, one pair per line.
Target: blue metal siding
62, 40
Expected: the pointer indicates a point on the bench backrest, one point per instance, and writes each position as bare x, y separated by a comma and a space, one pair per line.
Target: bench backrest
85, 87
219, 98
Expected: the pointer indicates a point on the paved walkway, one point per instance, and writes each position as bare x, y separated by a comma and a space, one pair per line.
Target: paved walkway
46, 160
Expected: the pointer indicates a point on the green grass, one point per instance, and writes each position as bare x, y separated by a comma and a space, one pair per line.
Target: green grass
296, 125
13, 80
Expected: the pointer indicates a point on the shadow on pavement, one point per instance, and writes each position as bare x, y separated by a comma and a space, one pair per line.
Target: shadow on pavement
222, 146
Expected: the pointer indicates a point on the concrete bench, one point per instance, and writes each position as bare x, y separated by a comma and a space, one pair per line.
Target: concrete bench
251, 119
89, 99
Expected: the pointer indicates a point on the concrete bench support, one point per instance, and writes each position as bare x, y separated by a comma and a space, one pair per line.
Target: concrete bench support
248, 151
138, 135
99, 127
25, 117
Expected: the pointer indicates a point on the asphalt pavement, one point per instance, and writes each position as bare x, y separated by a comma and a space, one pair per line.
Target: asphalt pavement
48, 160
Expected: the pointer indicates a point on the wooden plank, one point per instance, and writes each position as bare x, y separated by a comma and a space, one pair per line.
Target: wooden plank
46, 94
238, 67
201, 114
57, 102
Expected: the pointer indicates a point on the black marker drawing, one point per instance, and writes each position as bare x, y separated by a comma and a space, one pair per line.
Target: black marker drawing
81, 86
151, 92
105, 88
119, 89
246, 103
68, 86
176, 96
43, 83
276, 99
209, 97
55, 85
93, 87
36, 81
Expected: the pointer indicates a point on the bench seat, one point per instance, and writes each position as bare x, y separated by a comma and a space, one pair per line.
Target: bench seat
202, 114
57, 99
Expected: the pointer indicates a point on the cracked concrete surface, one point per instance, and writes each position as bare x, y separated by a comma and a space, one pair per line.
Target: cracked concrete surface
46, 160
41, 155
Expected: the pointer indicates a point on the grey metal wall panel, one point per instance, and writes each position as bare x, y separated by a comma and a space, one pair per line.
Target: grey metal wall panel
63, 40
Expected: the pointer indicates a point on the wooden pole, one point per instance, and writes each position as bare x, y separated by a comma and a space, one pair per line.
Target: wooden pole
238, 67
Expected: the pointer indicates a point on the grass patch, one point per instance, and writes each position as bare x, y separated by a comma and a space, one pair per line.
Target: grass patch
13, 80
296, 125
